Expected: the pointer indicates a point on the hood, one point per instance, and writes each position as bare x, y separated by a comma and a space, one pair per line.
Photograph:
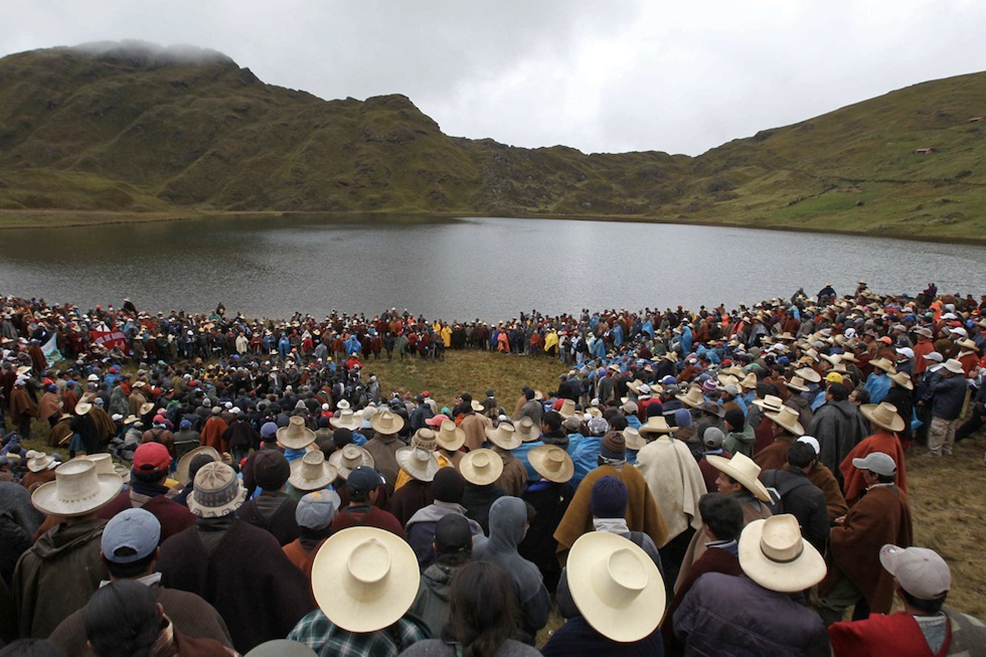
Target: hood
508, 520
436, 578
63, 538
747, 435
846, 407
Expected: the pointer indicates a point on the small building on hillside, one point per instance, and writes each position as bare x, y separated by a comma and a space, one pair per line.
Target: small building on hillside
924, 151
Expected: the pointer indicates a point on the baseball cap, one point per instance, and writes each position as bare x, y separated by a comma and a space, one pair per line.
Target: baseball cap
811, 440
919, 571
834, 377
364, 479
878, 463
151, 456
130, 536
316, 510
453, 534
905, 351
933, 355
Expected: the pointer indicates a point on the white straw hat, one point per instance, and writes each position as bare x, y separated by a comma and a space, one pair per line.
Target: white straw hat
481, 467
185, 462
774, 555
296, 435
77, 490
552, 462
787, 418
346, 419
419, 462
503, 436
619, 590
386, 423
450, 437
741, 468
364, 578
527, 430
884, 415
311, 472
349, 458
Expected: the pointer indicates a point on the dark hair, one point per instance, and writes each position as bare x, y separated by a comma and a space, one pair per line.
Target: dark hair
122, 620
932, 606
552, 420
32, 648
862, 395
149, 476
129, 570
723, 514
198, 461
885, 479
619, 422
483, 610
838, 391
801, 454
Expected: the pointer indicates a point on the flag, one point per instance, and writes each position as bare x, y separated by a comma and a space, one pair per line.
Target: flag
50, 350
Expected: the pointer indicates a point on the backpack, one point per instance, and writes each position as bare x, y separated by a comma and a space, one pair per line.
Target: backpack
779, 491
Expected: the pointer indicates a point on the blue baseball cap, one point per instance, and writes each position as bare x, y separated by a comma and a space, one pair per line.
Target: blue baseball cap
130, 536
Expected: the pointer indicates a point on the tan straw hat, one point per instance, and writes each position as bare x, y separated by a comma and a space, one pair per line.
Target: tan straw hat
296, 435
481, 467
883, 364
387, 423
346, 419
39, 461
619, 591
527, 430
633, 439
146, 408
420, 463
365, 578
503, 436
218, 492
104, 463
656, 424
567, 408
771, 403
82, 408
311, 472
693, 397
349, 458
787, 418
552, 462
741, 468
774, 555
796, 383
450, 437
808, 374
902, 379
749, 382
185, 462
77, 490
883, 415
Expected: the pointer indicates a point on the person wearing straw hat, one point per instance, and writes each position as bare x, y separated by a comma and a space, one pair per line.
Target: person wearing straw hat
61, 570
529, 433
676, 482
419, 464
363, 489
40, 470
129, 548
881, 516
945, 394
503, 440
616, 607
922, 581
384, 444
426, 440
481, 468
473, 422
22, 407
549, 494
236, 567
762, 610
642, 512
310, 473
448, 488
787, 429
886, 423
364, 580
838, 426
508, 524
901, 396
347, 458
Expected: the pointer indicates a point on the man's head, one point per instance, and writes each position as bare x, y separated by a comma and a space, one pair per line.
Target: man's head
923, 578
735, 420
722, 516
151, 463
609, 498
362, 484
129, 544
801, 455
877, 467
453, 539
837, 392
270, 469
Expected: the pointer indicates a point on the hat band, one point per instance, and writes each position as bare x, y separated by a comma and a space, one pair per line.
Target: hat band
767, 552
217, 498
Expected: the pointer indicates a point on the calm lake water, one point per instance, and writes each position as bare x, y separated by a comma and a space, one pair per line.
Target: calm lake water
487, 268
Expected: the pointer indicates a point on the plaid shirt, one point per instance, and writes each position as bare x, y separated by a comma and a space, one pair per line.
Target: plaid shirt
327, 640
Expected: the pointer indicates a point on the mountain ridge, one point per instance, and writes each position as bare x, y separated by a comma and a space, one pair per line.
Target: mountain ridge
132, 128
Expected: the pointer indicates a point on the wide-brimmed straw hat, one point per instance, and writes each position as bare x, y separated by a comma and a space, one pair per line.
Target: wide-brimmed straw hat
311, 472
884, 415
771, 403
185, 462
104, 462
82, 407
296, 435
773, 554
808, 374
953, 366
218, 492
619, 590
787, 417
741, 468
419, 462
884, 364
146, 408
526, 429
633, 439
349, 458
77, 490
346, 419
656, 424
552, 462
365, 578
481, 467
796, 383
693, 397
567, 408
387, 423
902, 379
39, 461
450, 437
503, 436
749, 382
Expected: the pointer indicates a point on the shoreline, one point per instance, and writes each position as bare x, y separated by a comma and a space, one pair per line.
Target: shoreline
51, 219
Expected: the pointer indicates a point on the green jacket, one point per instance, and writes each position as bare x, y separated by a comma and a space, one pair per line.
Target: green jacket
740, 441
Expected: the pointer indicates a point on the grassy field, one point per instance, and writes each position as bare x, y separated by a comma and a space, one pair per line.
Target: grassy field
947, 501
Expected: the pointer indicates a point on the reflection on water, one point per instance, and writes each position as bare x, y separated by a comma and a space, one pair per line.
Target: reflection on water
488, 268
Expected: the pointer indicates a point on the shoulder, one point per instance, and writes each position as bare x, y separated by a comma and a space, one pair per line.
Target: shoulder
427, 648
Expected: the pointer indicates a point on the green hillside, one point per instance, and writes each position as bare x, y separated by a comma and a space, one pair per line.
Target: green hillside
132, 128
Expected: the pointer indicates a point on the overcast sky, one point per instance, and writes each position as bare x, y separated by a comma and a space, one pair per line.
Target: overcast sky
601, 76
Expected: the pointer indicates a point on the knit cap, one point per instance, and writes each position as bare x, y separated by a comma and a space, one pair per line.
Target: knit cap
609, 498
613, 446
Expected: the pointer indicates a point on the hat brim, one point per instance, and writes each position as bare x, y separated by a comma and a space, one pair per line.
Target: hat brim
304, 438
343, 470
793, 576
498, 440
420, 470
755, 486
538, 458
217, 511
895, 425
395, 427
45, 498
329, 474
473, 476
453, 444
793, 427
624, 622
338, 599
185, 462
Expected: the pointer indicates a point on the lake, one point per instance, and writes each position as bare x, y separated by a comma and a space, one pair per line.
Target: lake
488, 268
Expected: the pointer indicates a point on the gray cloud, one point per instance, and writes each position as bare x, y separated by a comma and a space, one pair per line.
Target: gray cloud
623, 75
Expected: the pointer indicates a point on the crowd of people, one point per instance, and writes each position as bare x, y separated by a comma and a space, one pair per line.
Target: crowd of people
705, 482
